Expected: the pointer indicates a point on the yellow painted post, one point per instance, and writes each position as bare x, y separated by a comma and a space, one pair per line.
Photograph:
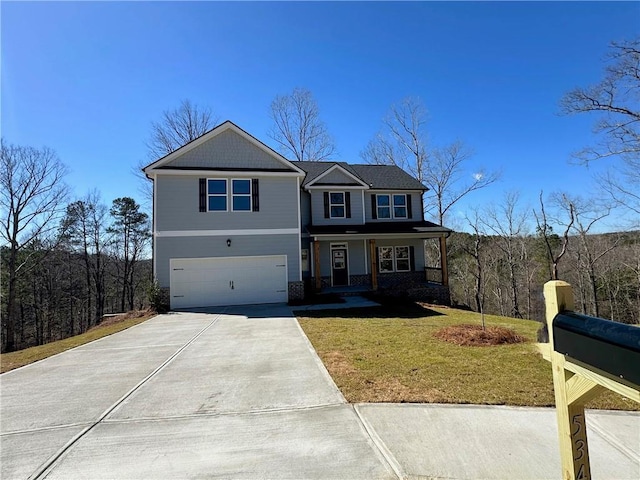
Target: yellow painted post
570, 392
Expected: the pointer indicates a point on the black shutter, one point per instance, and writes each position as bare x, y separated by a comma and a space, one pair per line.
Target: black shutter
203, 194
409, 213
374, 207
326, 204
412, 260
255, 195
347, 204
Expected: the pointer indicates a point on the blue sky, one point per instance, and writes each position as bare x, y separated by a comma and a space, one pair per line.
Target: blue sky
87, 79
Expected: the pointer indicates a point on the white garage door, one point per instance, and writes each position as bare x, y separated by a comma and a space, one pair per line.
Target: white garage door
203, 282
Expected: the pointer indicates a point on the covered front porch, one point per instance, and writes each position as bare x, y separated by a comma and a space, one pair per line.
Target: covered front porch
372, 258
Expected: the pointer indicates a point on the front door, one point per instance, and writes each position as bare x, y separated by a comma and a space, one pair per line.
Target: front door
339, 271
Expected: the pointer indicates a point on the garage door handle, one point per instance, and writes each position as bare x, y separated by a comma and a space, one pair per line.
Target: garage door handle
231, 285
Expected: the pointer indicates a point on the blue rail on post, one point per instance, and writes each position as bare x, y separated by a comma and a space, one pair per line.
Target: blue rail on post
608, 346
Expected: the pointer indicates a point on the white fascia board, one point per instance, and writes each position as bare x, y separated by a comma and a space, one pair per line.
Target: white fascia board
335, 187
399, 190
378, 235
331, 169
224, 173
226, 233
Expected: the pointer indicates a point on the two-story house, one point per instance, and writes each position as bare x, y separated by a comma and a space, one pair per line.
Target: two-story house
235, 223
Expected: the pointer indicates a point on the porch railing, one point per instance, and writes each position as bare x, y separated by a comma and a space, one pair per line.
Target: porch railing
433, 275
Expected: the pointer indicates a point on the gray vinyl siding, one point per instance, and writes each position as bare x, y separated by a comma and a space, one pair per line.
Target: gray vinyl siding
317, 209
241, 246
177, 205
359, 258
337, 177
227, 150
416, 206
417, 244
355, 256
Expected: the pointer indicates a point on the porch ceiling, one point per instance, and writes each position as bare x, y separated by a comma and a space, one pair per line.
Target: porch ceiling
381, 229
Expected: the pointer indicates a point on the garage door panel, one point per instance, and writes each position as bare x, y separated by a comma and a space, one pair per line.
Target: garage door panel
200, 282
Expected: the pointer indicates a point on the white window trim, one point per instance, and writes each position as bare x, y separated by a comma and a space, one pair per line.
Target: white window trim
378, 207
226, 194
394, 258
250, 195
392, 206
393, 209
343, 205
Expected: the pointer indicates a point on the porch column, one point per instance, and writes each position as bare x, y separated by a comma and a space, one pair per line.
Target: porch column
316, 264
374, 264
443, 261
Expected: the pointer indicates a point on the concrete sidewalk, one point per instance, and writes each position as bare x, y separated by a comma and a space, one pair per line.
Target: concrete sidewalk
240, 393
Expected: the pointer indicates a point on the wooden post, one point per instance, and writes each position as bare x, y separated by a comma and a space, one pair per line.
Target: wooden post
571, 392
374, 264
316, 263
443, 261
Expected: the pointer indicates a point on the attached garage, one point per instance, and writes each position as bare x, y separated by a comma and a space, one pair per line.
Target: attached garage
203, 282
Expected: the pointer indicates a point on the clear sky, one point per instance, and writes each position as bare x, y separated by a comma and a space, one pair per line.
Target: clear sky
87, 79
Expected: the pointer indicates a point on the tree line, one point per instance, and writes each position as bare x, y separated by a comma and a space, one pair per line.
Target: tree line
64, 264
500, 267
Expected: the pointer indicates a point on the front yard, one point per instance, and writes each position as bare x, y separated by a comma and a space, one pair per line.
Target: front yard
390, 354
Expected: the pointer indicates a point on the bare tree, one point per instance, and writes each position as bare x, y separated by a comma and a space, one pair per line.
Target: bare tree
85, 228
555, 246
449, 181
615, 101
176, 127
298, 129
32, 195
508, 223
476, 250
403, 141
587, 214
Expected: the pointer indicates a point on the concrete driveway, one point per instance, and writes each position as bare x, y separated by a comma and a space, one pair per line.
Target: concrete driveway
240, 393
186, 395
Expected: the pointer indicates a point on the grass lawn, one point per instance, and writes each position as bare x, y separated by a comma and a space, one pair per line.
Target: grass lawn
9, 361
390, 354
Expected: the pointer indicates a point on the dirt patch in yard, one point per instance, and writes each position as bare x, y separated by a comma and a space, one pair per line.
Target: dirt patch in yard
476, 336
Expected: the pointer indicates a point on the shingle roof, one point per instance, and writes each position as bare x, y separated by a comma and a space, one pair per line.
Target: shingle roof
383, 177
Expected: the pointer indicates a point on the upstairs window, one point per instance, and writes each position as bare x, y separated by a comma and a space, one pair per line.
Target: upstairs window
383, 206
336, 204
387, 206
241, 195
399, 206
217, 195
